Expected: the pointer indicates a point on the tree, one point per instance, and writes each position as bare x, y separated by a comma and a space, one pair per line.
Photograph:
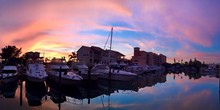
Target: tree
217, 66
186, 63
190, 62
73, 56
10, 53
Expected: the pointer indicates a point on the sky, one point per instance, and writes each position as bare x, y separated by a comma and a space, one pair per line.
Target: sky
180, 29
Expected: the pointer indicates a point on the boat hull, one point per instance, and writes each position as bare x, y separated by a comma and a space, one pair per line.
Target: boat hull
91, 77
64, 81
35, 79
10, 79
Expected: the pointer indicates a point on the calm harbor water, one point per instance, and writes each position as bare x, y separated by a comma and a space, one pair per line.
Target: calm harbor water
154, 92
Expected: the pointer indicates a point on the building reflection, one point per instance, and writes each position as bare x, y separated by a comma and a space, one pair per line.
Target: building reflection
149, 80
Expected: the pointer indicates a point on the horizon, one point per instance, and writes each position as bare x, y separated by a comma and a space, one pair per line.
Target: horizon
178, 29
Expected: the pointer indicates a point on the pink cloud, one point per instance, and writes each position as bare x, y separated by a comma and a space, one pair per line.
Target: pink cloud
184, 21
69, 19
201, 56
181, 20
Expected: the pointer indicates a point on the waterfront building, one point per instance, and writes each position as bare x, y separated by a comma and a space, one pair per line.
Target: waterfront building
147, 58
94, 55
111, 56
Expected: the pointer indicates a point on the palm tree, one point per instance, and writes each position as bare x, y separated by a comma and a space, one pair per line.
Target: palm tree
10, 54
73, 56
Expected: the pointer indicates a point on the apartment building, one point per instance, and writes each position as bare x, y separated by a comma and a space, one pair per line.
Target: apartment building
147, 58
93, 55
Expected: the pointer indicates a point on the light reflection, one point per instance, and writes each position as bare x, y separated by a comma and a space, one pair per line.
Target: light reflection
157, 91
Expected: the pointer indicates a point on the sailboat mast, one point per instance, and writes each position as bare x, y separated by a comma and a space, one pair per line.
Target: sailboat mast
109, 53
111, 38
109, 56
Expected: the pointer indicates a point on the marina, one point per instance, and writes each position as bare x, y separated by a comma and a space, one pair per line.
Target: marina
109, 55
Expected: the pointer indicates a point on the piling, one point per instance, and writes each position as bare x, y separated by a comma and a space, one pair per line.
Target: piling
109, 74
89, 72
60, 76
21, 85
59, 105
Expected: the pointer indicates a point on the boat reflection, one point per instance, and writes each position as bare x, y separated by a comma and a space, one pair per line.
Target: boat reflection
8, 89
89, 90
112, 93
35, 92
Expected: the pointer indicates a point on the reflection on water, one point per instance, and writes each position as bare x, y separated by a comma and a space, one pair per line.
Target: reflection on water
35, 92
8, 90
153, 91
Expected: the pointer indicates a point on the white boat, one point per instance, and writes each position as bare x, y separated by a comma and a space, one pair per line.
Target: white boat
135, 69
114, 74
154, 69
57, 68
9, 74
36, 71
83, 71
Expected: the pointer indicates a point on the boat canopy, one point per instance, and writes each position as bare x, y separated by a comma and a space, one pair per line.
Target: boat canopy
10, 68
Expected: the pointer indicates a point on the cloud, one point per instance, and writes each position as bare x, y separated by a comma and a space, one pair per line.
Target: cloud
45, 23
183, 22
28, 38
188, 52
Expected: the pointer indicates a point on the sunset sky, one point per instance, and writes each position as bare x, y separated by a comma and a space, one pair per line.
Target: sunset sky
180, 29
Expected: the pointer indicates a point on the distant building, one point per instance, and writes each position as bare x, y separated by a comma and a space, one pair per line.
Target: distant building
32, 55
147, 58
94, 55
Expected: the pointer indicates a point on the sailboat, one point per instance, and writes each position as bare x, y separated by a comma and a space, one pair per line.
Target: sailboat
108, 72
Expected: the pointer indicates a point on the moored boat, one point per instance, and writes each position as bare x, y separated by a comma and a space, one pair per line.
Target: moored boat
9, 74
112, 74
83, 71
135, 69
59, 71
111, 70
36, 71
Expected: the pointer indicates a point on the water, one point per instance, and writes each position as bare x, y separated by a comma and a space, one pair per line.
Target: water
155, 92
